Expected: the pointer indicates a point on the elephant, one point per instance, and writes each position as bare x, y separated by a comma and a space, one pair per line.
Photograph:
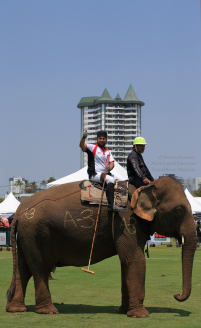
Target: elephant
54, 228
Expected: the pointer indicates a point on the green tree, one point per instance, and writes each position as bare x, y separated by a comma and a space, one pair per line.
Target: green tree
51, 179
33, 186
43, 183
197, 193
27, 187
19, 183
26, 183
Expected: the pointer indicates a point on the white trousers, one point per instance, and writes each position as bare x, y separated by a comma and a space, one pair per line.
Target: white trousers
109, 178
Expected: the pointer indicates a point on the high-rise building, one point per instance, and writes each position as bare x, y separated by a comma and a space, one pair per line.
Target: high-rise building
121, 119
192, 184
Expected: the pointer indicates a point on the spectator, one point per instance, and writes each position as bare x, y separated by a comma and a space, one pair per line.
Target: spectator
198, 230
4, 223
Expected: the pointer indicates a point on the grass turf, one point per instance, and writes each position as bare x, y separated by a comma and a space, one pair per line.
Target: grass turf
85, 300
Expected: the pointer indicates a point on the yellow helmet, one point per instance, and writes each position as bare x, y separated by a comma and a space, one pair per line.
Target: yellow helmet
139, 141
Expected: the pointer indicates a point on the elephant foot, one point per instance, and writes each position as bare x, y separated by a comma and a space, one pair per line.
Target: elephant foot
123, 309
12, 307
138, 313
49, 309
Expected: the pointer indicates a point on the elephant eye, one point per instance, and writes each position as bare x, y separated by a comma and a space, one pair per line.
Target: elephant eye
179, 211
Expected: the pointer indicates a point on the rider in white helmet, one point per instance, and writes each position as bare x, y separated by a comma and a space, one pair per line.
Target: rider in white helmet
138, 173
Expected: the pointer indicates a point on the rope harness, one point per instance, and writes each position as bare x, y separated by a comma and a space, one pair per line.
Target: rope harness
42, 200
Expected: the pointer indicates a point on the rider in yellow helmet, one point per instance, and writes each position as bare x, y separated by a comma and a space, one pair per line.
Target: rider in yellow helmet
138, 173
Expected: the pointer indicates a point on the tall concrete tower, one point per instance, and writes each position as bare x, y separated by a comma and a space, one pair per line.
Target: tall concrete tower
120, 118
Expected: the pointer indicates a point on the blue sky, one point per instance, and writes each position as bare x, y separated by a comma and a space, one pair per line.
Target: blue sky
55, 52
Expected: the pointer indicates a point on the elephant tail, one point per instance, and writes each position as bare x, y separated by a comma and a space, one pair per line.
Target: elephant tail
11, 291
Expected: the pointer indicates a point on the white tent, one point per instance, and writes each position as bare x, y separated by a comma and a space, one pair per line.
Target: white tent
195, 204
9, 205
198, 199
118, 171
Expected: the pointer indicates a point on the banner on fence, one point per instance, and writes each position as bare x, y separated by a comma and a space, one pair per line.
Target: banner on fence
158, 239
2, 238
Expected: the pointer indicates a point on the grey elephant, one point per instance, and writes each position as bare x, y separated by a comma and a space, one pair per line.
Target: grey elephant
54, 228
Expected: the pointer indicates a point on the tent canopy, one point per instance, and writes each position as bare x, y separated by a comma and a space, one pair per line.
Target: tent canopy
198, 199
9, 205
118, 171
195, 204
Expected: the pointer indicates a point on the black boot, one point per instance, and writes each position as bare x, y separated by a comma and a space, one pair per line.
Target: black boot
110, 196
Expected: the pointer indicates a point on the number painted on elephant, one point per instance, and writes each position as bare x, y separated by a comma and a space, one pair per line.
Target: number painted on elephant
29, 214
88, 215
69, 218
129, 224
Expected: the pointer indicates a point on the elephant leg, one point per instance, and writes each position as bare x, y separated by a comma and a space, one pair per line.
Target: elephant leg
124, 291
42, 294
17, 290
135, 277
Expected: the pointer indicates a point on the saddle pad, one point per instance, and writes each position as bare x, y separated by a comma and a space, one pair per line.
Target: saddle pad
121, 193
91, 194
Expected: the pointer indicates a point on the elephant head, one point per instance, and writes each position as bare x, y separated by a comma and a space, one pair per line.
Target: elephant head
164, 204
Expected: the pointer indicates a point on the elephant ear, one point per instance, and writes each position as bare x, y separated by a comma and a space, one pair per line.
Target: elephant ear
143, 202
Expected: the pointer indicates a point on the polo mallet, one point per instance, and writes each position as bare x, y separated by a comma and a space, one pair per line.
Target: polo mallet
97, 217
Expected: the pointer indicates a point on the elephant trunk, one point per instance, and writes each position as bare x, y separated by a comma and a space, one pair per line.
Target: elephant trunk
188, 250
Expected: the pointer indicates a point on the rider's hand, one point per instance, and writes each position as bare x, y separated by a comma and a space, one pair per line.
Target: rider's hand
146, 181
85, 134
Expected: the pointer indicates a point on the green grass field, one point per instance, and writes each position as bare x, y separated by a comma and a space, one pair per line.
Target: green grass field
85, 300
